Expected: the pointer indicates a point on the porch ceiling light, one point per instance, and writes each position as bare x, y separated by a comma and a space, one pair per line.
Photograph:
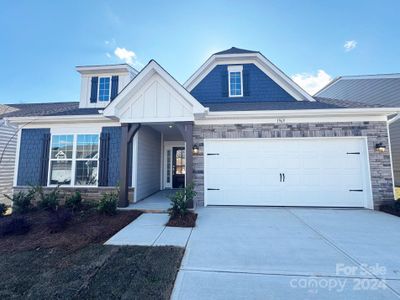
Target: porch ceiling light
170, 126
195, 149
380, 147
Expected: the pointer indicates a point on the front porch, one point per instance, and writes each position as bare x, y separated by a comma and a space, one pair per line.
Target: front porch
155, 203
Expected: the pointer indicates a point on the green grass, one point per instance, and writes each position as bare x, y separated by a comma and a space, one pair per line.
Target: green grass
92, 272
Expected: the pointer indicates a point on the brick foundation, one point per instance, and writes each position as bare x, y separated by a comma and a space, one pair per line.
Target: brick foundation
88, 193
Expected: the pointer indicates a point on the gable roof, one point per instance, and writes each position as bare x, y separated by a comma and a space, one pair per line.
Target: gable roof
242, 56
234, 50
381, 90
141, 79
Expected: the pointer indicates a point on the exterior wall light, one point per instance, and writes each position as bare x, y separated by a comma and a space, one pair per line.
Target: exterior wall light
380, 147
195, 149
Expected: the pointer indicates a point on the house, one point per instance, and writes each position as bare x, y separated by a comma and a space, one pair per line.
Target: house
8, 144
374, 90
239, 128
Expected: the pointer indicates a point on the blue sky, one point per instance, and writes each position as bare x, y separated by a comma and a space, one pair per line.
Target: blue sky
42, 41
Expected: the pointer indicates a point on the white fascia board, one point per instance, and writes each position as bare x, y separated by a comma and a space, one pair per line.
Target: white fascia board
260, 61
105, 68
152, 67
59, 119
379, 111
157, 120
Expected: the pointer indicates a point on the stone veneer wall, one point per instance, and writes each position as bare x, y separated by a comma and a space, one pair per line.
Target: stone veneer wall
88, 193
376, 132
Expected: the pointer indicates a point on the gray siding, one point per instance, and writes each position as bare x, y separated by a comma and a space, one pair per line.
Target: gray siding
8, 145
376, 132
148, 162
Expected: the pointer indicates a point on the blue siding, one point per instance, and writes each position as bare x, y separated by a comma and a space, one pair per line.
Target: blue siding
258, 87
30, 156
113, 154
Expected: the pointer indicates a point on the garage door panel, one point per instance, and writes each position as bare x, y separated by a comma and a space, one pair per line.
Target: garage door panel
318, 172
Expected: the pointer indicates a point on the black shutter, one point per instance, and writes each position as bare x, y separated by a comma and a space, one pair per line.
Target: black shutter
114, 87
103, 158
45, 159
224, 83
93, 91
245, 87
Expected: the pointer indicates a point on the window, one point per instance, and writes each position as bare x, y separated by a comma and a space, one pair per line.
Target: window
104, 89
74, 160
235, 81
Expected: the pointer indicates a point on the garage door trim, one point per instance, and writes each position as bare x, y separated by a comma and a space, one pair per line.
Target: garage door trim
368, 200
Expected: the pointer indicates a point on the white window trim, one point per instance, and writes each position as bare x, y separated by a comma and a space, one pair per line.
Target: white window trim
109, 90
235, 69
74, 160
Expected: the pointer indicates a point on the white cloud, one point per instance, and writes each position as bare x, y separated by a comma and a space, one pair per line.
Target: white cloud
349, 45
108, 55
126, 55
312, 83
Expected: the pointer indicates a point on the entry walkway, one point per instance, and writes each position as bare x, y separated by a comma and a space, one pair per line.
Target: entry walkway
150, 230
157, 202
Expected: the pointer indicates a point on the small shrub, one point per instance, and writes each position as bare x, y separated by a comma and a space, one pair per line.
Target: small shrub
58, 220
74, 201
50, 201
3, 209
180, 200
108, 204
22, 202
15, 225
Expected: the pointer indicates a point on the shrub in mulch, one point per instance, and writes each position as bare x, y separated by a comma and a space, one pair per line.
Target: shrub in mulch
74, 201
180, 215
108, 204
22, 202
58, 220
188, 220
16, 225
3, 209
392, 208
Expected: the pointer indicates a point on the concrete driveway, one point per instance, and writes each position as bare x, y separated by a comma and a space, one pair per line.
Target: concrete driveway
291, 253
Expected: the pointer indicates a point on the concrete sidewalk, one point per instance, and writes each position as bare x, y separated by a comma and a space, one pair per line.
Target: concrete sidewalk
150, 230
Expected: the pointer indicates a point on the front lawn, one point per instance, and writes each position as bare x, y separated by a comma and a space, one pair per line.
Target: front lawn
74, 263
92, 272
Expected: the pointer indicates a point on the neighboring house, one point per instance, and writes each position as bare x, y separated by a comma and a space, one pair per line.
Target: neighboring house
373, 90
239, 128
8, 144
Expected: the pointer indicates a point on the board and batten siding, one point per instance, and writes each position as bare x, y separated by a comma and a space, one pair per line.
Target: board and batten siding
148, 163
8, 146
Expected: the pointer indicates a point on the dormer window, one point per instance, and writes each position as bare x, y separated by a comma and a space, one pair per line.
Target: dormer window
235, 81
104, 89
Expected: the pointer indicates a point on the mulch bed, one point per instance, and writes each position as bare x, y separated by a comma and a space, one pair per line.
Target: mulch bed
390, 209
86, 227
189, 220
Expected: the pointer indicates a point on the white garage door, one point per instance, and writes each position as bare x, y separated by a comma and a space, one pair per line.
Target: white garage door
287, 172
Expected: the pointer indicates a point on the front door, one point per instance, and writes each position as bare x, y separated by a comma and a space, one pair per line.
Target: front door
178, 167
